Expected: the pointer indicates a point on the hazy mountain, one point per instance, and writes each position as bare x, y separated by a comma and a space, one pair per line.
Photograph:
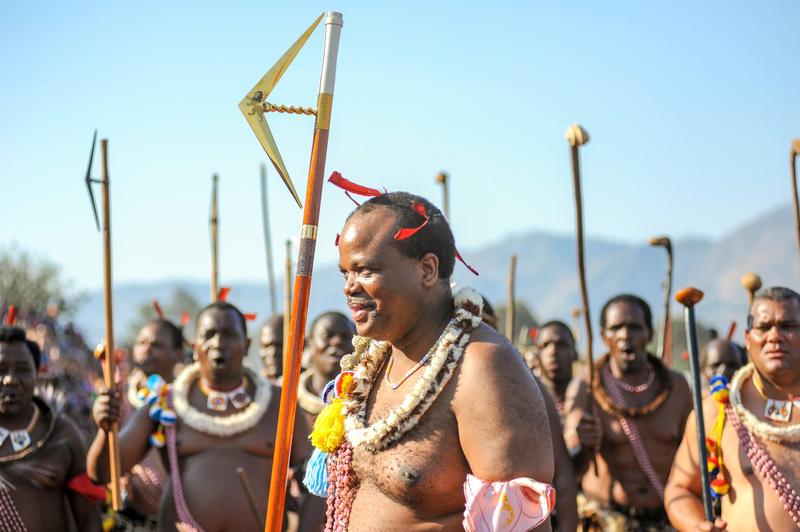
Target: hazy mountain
546, 275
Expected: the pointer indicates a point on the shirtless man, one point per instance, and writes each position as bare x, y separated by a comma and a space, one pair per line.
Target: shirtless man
638, 393
397, 262
226, 418
270, 348
158, 350
773, 341
41, 453
330, 338
556, 353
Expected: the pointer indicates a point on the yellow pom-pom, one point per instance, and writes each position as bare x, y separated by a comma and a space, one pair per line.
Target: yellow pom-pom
329, 428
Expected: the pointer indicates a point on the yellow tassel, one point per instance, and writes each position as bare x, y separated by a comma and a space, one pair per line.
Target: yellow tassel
329, 428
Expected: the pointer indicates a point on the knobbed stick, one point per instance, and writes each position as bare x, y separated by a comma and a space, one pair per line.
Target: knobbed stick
689, 297
305, 266
108, 360
512, 301
795, 149
752, 283
213, 225
248, 492
664, 343
443, 179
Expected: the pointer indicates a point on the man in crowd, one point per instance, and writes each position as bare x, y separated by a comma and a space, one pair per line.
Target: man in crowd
398, 469
555, 351
759, 442
330, 338
270, 348
226, 419
43, 482
721, 357
629, 423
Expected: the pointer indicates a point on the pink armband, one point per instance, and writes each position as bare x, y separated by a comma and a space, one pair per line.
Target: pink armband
516, 505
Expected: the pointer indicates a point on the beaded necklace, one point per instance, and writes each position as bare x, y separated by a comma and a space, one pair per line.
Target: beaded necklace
761, 429
613, 407
20, 439
635, 388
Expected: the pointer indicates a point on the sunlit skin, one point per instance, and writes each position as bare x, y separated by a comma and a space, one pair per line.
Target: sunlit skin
774, 347
270, 347
39, 480
208, 463
154, 352
417, 484
556, 352
619, 478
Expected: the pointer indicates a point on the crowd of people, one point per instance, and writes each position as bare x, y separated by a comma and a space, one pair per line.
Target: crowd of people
414, 413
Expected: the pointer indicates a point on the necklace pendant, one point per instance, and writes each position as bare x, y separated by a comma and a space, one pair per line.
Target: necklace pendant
239, 398
20, 439
778, 410
217, 401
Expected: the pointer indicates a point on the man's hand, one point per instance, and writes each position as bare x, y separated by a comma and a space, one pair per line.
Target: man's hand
717, 526
590, 431
106, 407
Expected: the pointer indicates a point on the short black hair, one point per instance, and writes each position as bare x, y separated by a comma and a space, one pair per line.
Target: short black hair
330, 314
436, 237
633, 300
558, 323
176, 336
778, 294
10, 335
223, 306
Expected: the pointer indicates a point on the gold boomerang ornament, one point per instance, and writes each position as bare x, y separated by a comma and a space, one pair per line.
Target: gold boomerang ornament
254, 105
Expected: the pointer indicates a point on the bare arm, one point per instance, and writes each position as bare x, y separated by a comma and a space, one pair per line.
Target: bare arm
495, 396
133, 438
85, 512
564, 481
582, 429
683, 496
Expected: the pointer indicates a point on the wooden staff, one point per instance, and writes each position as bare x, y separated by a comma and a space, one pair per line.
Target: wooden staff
577, 137
267, 239
287, 303
795, 149
305, 266
664, 335
752, 283
689, 297
248, 492
512, 304
576, 323
108, 359
213, 223
441, 178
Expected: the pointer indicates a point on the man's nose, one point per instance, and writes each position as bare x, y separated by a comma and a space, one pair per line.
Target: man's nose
350, 285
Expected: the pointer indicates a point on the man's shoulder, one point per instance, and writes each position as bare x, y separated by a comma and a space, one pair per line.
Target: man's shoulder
489, 349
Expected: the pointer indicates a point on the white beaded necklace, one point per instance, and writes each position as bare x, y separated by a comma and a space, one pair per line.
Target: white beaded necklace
762, 429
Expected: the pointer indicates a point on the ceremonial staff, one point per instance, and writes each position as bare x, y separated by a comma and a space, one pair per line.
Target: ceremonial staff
267, 239
576, 323
441, 178
512, 302
213, 224
664, 339
752, 283
795, 149
108, 344
577, 137
287, 303
689, 297
253, 106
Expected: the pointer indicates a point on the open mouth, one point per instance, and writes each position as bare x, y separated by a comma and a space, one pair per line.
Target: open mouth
359, 311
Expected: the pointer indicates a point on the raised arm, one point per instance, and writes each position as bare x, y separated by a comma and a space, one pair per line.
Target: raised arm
133, 438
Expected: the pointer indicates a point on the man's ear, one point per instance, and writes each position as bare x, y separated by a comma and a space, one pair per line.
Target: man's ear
429, 269
247, 346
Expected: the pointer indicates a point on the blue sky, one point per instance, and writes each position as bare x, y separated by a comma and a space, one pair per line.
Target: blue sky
691, 107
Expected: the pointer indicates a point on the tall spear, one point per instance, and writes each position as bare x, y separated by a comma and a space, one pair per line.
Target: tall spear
664, 335
213, 224
689, 297
253, 106
512, 303
108, 344
577, 137
442, 178
793, 151
267, 239
752, 283
287, 302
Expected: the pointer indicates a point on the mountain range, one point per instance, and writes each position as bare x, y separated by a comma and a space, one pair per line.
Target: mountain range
546, 279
